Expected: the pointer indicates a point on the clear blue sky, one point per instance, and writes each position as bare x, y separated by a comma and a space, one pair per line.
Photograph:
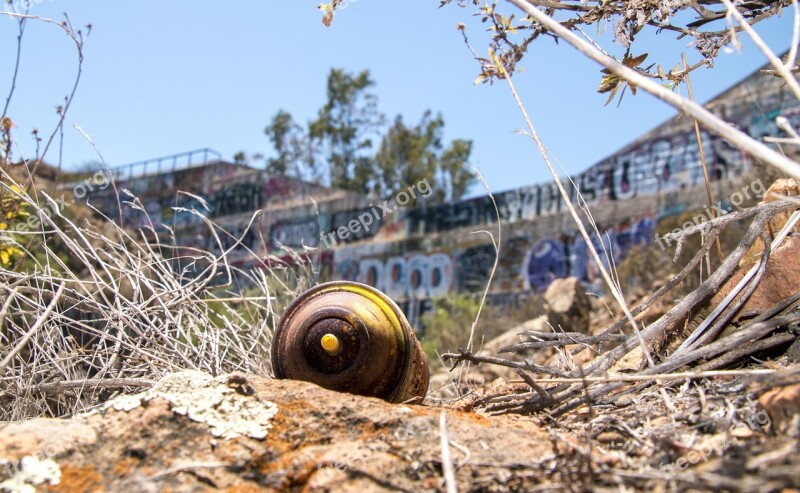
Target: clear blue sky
169, 76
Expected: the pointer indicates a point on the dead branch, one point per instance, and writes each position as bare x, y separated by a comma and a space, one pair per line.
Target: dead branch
559, 339
710, 121
752, 332
88, 384
682, 308
568, 393
464, 355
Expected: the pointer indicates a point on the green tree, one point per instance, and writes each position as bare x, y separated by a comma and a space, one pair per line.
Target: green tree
292, 146
344, 129
240, 158
408, 155
336, 148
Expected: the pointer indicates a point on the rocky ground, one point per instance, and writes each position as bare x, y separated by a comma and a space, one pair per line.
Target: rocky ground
192, 432
265, 434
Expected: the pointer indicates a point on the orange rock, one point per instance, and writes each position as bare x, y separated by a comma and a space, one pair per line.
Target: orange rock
783, 407
782, 277
783, 187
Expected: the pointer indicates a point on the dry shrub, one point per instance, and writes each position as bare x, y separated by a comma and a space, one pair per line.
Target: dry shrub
92, 309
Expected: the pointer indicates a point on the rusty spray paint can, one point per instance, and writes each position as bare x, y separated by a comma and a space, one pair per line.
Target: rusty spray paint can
350, 337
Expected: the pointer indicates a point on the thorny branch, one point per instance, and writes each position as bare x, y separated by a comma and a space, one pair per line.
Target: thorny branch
698, 20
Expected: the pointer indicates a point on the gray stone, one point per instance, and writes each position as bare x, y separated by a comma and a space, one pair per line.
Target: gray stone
567, 305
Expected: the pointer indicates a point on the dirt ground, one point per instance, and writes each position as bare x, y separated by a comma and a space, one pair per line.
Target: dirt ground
318, 440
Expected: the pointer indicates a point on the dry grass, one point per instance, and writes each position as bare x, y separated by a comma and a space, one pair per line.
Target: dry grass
92, 309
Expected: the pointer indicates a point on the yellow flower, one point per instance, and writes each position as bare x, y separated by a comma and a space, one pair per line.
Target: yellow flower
6, 253
5, 256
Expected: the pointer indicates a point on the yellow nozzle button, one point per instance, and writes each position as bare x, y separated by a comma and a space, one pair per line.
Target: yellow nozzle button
331, 344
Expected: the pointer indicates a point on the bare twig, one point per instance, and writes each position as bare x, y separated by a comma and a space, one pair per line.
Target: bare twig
559, 339
20, 34
742, 336
612, 286
88, 383
702, 157
78, 40
792, 58
447, 462
699, 336
782, 69
464, 355
655, 377
41, 319
496, 246
740, 353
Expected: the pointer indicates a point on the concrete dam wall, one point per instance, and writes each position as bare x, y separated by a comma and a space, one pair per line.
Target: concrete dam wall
418, 254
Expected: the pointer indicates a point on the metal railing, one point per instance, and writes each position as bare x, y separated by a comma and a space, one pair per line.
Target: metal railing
165, 164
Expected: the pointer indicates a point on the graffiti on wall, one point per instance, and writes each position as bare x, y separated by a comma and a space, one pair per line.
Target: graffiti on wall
236, 199
295, 234
473, 267
346, 219
554, 258
658, 165
419, 254
403, 278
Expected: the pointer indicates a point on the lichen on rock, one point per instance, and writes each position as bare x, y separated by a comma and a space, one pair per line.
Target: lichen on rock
32, 472
205, 399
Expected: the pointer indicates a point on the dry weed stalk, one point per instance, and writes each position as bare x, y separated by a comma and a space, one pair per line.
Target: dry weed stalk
89, 308
78, 38
123, 311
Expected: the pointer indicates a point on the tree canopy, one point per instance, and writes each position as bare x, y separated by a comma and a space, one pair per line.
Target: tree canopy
412, 154
349, 146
